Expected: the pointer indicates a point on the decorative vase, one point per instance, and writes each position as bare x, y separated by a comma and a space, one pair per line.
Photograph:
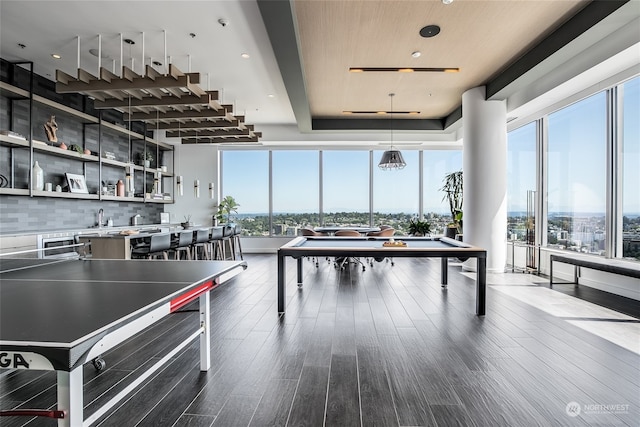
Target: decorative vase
37, 177
120, 188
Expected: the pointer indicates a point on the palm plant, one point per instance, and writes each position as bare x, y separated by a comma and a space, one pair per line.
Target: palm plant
452, 188
226, 206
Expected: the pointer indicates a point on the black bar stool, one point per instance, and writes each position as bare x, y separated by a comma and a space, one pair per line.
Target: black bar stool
182, 244
227, 238
159, 245
237, 246
216, 242
201, 243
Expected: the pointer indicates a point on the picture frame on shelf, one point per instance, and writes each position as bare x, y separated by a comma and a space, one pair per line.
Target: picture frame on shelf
76, 183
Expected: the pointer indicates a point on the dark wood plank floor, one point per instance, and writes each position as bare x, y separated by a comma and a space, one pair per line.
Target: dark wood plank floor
384, 347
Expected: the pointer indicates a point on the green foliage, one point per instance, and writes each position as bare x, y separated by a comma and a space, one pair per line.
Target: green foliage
226, 207
147, 154
76, 148
417, 227
452, 188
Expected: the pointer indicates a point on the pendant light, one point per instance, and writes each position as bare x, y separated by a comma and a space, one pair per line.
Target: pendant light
391, 159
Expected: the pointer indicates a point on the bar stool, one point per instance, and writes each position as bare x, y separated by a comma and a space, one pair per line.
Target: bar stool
158, 245
216, 243
227, 238
182, 244
235, 240
201, 242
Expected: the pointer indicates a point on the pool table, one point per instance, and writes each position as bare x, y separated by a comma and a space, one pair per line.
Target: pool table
372, 247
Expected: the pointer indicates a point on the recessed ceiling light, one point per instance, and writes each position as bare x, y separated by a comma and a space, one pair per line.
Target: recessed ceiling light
271, 95
157, 63
129, 41
380, 112
447, 1
429, 31
403, 69
21, 45
416, 54
55, 56
245, 55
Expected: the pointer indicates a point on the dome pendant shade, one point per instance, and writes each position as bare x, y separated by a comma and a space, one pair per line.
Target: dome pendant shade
391, 159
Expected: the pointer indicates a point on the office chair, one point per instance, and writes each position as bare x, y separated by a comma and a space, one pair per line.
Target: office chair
342, 261
385, 231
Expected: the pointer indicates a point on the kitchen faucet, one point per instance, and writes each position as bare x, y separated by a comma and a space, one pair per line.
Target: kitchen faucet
100, 217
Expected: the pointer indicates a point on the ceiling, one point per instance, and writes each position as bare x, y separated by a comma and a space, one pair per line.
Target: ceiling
299, 52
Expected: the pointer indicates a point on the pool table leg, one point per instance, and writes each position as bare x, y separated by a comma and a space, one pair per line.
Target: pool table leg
281, 281
444, 269
300, 271
481, 283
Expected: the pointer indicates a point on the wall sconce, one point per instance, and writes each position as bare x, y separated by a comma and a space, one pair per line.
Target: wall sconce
211, 190
196, 188
180, 185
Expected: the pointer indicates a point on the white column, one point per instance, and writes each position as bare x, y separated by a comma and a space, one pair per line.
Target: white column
485, 177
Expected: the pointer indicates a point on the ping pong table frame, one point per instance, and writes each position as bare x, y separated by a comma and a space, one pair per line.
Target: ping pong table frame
70, 383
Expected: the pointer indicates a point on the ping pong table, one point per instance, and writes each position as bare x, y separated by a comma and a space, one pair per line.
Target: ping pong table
61, 314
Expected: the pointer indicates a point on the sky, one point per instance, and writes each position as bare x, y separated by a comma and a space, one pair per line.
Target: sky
345, 180
576, 169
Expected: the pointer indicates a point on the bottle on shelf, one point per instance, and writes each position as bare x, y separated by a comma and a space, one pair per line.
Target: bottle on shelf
120, 188
37, 177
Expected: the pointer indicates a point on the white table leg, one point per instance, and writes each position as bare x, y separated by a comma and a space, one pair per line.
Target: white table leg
70, 398
205, 336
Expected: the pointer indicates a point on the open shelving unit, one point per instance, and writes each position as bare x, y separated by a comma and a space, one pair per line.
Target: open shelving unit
107, 133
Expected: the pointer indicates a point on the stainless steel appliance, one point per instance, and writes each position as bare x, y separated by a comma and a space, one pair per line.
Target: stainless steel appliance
59, 245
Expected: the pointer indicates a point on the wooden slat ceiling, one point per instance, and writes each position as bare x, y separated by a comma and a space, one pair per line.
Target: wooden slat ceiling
173, 102
480, 37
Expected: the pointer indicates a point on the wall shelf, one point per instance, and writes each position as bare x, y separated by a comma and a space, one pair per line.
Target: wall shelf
110, 137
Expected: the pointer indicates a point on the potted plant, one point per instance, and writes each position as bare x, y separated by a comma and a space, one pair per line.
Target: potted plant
452, 188
187, 222
226, 206
419, 228
146, 157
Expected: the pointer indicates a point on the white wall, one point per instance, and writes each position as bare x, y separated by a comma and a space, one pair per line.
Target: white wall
201, 162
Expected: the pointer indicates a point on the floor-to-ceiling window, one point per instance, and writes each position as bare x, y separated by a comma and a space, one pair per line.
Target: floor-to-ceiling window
576, 180
437, 164
295, 191
396, 192
631, 169
521, 183
245, 176
345, 196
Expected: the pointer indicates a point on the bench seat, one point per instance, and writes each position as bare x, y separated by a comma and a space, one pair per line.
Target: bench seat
615, 266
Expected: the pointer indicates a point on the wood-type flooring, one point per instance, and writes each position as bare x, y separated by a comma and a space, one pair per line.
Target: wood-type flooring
383, 347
